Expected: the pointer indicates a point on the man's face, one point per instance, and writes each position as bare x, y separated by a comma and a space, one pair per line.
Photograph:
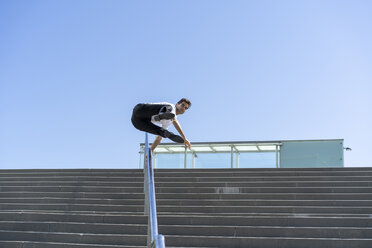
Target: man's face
181, 107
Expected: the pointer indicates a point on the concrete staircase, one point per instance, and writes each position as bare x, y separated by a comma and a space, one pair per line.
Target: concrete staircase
253, 208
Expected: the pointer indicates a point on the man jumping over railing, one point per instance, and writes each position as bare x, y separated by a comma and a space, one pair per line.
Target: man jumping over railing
146, 115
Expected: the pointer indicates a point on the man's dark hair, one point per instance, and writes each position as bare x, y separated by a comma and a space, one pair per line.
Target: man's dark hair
185, 100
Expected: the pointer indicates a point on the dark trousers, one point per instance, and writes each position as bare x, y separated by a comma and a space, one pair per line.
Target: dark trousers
141, 118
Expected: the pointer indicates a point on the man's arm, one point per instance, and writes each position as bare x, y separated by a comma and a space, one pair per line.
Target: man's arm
177, 125
156, 143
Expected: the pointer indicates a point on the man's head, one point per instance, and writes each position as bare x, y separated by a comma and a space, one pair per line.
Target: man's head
182, 105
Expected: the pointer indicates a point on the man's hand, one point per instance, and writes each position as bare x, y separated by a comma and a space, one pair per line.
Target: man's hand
187, 143
177, 125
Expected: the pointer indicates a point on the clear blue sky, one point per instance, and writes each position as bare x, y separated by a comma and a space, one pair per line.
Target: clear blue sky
71, 72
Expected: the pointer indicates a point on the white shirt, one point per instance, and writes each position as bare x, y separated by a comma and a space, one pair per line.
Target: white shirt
165, 123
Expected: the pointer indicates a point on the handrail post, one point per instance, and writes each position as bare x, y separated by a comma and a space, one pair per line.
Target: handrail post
154, 240
146, 181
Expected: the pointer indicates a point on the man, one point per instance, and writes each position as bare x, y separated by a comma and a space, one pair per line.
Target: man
146, 115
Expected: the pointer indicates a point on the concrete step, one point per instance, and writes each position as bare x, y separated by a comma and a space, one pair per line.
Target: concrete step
262, 179
264, 209
284, 196
182, 170
4, 183
202, 196
190, 209
73, 207
74, 227
186, 173
85, 171
189, 202
186, 241
266, 242
212, 214
196, 170
86, 174
240, 190
196, 220
78, 238
31, 244
221, 190
254, 231
71, 189
327, 169
38, 178
90, 217
189, 169
190, 178
230, 190
277, 173
191, 230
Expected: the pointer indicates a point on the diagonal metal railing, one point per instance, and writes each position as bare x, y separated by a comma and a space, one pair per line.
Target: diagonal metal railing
154, 239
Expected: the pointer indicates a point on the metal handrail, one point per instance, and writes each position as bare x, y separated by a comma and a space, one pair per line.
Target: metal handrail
154, 239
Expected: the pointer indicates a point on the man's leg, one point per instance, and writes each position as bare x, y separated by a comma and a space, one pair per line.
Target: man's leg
149, 127
146, 111
141, 119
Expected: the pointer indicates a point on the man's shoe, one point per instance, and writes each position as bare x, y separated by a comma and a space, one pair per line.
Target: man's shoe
164, 116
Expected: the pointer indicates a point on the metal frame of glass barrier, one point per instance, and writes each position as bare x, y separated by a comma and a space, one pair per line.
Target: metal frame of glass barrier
284, 153
233, 148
